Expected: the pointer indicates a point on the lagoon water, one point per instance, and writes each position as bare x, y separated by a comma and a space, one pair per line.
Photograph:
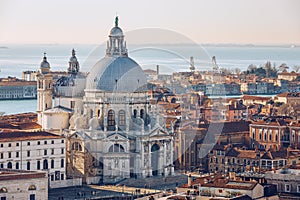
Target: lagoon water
17, 58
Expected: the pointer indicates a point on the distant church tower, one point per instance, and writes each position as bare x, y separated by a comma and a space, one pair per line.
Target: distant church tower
44, 89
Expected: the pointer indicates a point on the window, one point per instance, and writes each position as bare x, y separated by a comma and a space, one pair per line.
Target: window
3, 190
52, 141
62, 177
1, 156
52, 177
9, 154
111, 120
287, 188
28, 143
134, 113
28, 165
45, 152
270, 137
32, 197
116, 148
9, 165
45, 142
298, 188
76, 146
62, 150
142, 113
45, 164
52, 151
17, 154
17, 165
62, 141
28, 153
38, 143
1, 145
32, 187
9, 144
17, 144
3, 198
38, 165
1, 165
62, 163
121, 118
52, 164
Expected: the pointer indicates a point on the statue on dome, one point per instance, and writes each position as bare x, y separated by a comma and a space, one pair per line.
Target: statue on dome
116, 21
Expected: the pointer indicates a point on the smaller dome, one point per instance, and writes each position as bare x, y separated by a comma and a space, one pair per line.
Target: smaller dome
45, 63
44, 66
116, 31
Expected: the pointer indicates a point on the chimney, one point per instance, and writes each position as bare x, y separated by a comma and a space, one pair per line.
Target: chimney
157, 70
189, 180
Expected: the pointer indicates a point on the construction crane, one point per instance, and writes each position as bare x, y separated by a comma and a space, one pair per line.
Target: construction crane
215, 65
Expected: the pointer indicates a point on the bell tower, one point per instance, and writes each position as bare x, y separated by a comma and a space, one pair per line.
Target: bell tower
44, 89
73, 64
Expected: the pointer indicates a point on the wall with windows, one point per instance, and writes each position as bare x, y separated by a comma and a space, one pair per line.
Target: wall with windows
48, 155
31, 188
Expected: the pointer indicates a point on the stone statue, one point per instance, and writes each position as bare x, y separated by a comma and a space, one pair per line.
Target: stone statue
116, 21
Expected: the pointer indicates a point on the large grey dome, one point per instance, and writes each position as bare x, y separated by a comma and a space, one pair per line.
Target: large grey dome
116, 74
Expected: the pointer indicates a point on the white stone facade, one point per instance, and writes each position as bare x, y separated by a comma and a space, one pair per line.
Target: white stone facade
34, 185
34, 151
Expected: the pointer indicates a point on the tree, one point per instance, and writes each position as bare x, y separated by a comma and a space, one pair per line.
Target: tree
296, 68
268, 68
237, 71
283, 67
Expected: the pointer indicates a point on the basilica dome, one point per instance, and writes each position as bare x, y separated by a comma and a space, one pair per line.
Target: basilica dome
116, 72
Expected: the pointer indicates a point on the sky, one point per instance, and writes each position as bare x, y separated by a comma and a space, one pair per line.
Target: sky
204, 21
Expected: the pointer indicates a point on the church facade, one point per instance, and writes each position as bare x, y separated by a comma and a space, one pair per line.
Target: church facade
113, 132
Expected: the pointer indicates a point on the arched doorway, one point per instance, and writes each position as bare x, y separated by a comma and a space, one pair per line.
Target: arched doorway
155, 159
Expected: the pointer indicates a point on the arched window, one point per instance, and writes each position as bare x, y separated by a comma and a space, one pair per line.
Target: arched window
116, 148
265, 138
276, 137
134, 113
111, 120
260, 136
28, 165
9, 165
32, 187
253, 135
45, 164
3, 190
270, 136
76, 146
121, 118
142, 113
17, 165
52, 164
38, 164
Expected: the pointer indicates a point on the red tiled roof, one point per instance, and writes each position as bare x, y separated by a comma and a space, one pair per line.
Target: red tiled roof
22, 135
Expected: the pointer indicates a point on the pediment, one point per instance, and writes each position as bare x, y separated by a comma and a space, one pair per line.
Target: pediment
117, 137
158, 132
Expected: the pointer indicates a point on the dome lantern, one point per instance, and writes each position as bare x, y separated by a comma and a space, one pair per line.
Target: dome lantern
116, 46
